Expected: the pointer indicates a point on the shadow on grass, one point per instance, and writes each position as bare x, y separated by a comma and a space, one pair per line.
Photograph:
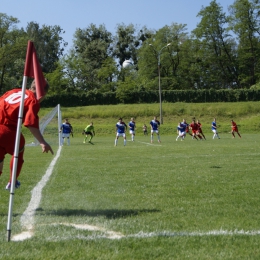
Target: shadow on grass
215, 167
109, 213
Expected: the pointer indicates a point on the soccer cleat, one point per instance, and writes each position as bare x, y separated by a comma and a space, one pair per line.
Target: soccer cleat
159, 141
8, 186
17, 185
84, 142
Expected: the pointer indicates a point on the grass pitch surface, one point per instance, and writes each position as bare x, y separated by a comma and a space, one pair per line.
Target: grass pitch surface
174, 200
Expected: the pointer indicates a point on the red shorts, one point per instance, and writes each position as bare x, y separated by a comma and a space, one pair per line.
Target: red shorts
7, 141
195, 132
235, 129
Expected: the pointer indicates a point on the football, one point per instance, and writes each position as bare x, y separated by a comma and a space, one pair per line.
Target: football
127, 64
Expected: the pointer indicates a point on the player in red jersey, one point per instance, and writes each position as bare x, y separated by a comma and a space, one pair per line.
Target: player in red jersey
187, 128
9, 110
234, 129
200, 129
194, 129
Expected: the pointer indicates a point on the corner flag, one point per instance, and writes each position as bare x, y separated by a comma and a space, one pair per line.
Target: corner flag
32, 69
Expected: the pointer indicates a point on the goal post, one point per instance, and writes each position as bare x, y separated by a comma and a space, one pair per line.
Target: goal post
45, 121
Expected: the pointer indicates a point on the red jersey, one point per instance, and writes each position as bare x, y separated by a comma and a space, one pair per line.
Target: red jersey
9, 109
234, 126
194, 126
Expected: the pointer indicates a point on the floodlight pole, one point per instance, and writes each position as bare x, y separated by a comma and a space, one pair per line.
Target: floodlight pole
158, 53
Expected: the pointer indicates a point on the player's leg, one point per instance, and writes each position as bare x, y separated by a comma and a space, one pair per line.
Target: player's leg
116, 140
19, 164
178, 135
62, 139
133, 136
233, 133
198, 134
124, 136
151, 136
91, 136
158, 137
194, 136
68, 140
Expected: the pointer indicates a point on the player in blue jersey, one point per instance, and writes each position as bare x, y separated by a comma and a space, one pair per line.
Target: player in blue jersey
181, 131
66, 129
131, 125
186, 127
214, 128
120, 130
155, 124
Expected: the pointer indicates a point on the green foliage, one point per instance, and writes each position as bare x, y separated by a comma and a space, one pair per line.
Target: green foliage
222, 52
128, 94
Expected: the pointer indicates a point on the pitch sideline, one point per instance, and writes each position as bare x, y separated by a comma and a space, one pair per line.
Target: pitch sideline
27, 218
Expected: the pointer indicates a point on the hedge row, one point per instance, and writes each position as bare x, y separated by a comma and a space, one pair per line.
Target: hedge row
132, 97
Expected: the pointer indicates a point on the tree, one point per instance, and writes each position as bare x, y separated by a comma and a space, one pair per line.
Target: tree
48, 43
244, 21
92, 48
216, 49
12, 53
165, 44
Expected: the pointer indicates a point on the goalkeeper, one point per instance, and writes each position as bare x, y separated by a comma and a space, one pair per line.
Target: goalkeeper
89, 130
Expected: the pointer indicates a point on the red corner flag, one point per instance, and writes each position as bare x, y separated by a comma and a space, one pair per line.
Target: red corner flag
32, 69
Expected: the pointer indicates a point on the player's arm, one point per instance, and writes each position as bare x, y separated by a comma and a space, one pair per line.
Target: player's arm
37, 134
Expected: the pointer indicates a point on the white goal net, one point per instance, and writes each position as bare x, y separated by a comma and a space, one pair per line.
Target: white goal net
49, 126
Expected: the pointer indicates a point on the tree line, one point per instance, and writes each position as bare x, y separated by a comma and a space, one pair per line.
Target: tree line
222, 52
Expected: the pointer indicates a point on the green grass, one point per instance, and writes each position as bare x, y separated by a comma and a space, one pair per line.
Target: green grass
245, 114
163, 199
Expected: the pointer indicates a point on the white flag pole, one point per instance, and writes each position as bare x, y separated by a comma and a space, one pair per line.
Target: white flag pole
16, 153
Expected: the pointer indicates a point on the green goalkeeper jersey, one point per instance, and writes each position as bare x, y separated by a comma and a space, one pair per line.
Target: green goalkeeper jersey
89, 128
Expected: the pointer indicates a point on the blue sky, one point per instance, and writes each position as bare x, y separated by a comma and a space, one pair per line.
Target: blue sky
72, 14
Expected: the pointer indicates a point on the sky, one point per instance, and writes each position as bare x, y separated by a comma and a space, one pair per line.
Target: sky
73, 14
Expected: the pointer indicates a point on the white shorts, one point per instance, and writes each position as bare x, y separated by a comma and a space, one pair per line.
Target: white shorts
155, 131
181, 133
120, 134
214, 131
131, 132
65, 135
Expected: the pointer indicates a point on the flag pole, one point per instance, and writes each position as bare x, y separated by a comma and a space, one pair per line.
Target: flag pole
16, 153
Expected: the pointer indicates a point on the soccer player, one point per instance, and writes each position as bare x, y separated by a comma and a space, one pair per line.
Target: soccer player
131, 125
9, 110
121, 128
234, 129
214, 129
187, 128
155, 124
89, 130
181, 130
145, 129
200, 129
194, 129
66, 130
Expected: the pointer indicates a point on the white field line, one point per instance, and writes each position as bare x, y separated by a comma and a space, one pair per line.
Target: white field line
148, 143
27, 218
116, 235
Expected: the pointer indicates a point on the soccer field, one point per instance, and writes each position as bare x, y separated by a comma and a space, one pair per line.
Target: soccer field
171, 200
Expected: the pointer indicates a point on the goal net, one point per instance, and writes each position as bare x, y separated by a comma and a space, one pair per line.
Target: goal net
49, 126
